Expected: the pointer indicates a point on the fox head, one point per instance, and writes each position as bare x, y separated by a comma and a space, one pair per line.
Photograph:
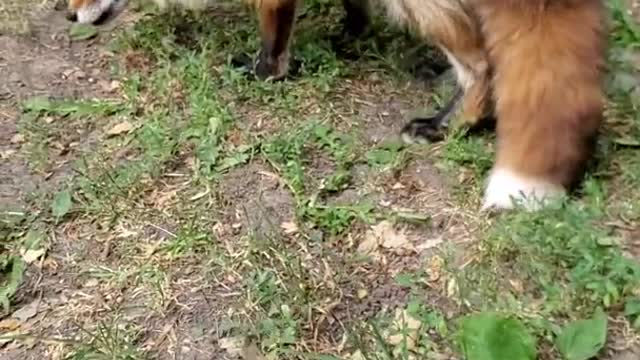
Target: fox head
93, 11
97, 11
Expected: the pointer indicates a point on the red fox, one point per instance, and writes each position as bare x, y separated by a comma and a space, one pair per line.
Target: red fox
276, 22
536, 66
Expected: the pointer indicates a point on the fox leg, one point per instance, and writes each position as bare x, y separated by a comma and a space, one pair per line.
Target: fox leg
457, 34
548, 58
277, 19
356, 19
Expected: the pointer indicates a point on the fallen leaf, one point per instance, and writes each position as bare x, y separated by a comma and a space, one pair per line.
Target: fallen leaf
391, 238
357, 355
452, 288
431, 243
123, 127
289, 227
369, 244
405, 328
384, 234
517, 286
398, 186
9, 324
7, 153
362, 293
232, 345
434, 269
17, 139
91, 283
32, 255
27, 312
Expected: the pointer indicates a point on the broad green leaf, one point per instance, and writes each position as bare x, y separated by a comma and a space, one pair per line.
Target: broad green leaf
61, 204
80, 32
583, 339
12, 280
490, 336
37, 104
632, 307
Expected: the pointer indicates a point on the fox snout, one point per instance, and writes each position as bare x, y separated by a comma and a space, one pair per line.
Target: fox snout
93, 11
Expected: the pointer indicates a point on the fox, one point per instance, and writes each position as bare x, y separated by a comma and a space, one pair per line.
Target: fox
276, 20
534, 67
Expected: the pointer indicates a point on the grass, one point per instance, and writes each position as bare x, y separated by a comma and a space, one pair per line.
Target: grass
204, 212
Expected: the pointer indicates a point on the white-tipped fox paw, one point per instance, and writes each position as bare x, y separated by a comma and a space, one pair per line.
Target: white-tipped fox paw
506, 189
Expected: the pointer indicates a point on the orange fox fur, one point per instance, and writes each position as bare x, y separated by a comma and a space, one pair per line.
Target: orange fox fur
535, 65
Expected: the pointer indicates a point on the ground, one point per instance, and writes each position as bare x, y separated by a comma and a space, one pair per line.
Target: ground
158, 203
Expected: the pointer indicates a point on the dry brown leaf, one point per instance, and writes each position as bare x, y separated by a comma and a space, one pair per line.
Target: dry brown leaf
32, 255
362, 293
17, 139
232, 345
369, 244
405, 328
517, 286
121, 128
9, 324
7, 153
357, 355
398, 186
289, 227
391, 239
430, 243
434, 269
27, 312
383, 234
452, 288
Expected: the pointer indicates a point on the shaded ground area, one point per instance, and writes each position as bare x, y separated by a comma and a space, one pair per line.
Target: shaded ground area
156, 203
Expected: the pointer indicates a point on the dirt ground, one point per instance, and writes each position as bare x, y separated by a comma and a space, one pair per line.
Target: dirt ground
184, 312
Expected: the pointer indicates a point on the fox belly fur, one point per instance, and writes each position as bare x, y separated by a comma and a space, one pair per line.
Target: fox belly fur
535, 65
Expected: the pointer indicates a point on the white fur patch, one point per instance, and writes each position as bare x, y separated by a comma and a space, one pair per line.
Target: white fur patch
505, 187
94, 10
464, 76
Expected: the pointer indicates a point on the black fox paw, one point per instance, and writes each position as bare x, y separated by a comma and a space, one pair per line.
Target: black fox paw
424, 130
245, 64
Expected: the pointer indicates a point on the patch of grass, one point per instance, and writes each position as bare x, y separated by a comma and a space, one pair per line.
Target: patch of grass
110, 341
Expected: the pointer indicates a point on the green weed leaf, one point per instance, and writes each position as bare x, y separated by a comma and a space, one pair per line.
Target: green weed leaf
13, 271
583, 339
489, 336
79, 32
61, 204
37, 104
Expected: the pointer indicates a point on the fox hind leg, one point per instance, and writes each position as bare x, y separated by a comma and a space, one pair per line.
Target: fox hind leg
457, 34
